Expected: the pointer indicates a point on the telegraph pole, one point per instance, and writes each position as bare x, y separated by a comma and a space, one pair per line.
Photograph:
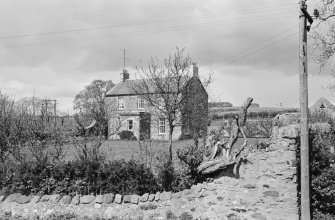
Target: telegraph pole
55, 103
304, 127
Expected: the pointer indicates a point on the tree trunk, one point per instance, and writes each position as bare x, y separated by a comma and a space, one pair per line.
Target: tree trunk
170, 143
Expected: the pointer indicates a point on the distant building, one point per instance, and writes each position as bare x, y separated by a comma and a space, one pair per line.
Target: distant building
323, 105
219, 104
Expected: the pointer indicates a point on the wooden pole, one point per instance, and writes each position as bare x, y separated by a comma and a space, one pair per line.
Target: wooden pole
304, 128
55, 114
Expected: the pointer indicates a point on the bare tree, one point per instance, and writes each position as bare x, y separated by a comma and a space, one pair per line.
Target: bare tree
25, 134
6, 120
323, 35
162, 87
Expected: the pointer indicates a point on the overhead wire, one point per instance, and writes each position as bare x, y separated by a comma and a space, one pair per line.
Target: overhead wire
176, 28
121, 10
262, 42
258, 50
112, 26
65, 17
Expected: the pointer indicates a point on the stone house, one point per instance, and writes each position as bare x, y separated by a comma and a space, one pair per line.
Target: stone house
136, 115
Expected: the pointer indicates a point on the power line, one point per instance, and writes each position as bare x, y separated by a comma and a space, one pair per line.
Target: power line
112, 26
121, 10
260, 49
110, 11
176, 28
263, 42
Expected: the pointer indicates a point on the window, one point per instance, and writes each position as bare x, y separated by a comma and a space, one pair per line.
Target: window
121, 103
161, 126
140, 103
160, 103
130, 125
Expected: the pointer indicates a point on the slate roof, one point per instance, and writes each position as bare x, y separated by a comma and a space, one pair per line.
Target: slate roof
124, 88
121, 89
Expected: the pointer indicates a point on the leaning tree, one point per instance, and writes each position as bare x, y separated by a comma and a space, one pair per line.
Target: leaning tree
225, 152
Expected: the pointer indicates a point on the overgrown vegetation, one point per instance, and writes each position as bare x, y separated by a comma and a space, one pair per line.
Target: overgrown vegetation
191, 156
80, 177
126, 135
322, 169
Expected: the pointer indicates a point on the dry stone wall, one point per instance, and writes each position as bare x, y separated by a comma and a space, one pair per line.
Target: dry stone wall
262, 187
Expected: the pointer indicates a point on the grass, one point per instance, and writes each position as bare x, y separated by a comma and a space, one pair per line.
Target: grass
251, 109
122, 149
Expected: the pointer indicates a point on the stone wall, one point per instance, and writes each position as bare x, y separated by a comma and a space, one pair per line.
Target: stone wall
262, 187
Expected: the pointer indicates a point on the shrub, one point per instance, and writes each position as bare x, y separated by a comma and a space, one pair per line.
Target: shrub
323, 175
191, 156
83, 177
166, 173
216, 116
126, 135
322, 169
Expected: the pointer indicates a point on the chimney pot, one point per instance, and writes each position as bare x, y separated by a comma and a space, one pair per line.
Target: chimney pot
125, 75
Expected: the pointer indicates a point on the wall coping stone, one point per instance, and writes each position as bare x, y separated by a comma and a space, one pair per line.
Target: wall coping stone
99, 199
23, 199
118, 199
108, 198
144, 197
12, 197
75, 200
165, 196
66, 200
151, 197
157, 196
134, 199
87, 199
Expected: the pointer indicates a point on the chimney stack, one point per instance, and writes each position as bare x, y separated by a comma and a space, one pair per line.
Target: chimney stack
124, 75
195, 70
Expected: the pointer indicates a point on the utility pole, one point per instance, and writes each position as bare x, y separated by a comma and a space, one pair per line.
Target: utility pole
304, 127
55, 103
46, 110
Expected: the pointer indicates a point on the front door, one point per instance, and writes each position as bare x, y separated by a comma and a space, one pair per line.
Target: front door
145, 121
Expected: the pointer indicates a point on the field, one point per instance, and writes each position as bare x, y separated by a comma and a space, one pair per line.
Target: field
122, 149
251, 109
119, 149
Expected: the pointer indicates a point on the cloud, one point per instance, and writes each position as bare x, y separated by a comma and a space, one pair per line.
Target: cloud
65, 44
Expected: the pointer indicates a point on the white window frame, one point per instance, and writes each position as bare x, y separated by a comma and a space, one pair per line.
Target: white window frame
161, 126
121, 103
140, 103
132, 124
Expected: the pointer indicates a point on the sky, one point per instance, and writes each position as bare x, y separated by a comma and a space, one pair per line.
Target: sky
53, 49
